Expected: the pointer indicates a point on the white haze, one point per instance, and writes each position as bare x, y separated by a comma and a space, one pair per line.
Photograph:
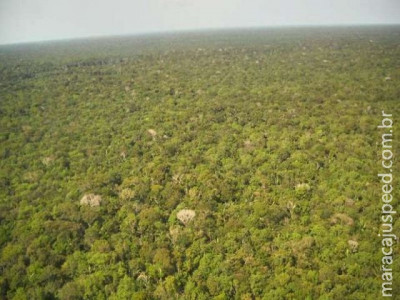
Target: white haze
38, 20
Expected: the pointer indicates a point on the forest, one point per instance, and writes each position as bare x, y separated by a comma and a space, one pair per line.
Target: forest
230, 164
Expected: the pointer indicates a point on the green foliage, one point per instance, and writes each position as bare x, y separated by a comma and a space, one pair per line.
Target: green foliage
269, 136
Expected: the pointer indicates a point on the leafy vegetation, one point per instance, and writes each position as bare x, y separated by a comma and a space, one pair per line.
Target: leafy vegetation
265, 143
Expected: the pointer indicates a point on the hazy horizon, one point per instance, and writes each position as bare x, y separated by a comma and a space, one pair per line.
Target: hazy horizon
25, 21
198, 30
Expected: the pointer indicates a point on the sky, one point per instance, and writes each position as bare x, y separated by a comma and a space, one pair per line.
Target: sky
40, 20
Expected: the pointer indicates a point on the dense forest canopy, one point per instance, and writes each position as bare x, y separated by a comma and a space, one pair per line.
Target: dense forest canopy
235, 164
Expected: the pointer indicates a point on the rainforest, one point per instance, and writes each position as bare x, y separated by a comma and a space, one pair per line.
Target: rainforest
225, 164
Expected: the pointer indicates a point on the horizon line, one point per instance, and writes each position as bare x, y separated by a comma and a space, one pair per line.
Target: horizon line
194, 30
